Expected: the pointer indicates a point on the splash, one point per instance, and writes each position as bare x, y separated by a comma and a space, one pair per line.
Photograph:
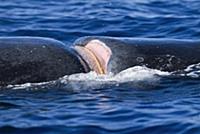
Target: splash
140, 77
191, 72
137, 76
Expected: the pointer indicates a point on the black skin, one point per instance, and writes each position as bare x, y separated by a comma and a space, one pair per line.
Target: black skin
35, 59
163, 54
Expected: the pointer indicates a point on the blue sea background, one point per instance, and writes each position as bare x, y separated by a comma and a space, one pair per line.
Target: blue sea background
172, 107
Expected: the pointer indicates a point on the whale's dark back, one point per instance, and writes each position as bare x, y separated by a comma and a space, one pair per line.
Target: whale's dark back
162, 54
25, 59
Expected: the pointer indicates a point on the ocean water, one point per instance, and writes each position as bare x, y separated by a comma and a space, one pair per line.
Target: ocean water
136, 101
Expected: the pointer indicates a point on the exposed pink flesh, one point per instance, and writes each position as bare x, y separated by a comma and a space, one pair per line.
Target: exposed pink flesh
101, 51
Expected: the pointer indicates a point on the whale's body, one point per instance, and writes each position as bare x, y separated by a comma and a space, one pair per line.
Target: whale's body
36, 59
162, 54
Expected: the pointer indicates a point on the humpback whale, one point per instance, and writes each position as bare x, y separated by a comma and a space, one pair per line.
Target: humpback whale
39, 59
117, 54
36, 59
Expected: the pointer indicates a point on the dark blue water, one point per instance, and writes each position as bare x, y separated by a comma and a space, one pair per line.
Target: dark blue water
173, 106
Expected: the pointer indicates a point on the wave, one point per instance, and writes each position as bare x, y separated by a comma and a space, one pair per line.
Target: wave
138, 77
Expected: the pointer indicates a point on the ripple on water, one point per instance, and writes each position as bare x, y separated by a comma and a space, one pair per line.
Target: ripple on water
137, 101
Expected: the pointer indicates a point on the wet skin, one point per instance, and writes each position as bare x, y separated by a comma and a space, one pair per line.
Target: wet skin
36, 59
162, 54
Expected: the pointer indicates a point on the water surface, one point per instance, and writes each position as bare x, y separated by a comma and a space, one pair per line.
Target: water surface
139, 101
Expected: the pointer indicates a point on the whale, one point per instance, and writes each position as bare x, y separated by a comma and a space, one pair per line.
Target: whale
117, 54
28, 59
36, 59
